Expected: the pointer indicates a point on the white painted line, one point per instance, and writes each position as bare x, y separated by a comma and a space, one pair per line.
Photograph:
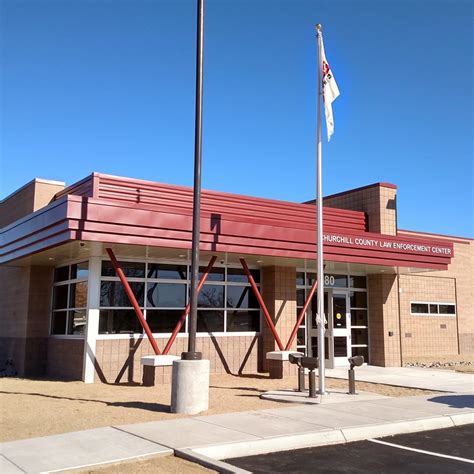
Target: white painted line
422, 451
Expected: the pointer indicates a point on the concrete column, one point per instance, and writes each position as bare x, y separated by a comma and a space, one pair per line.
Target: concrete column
92, 325
190, 386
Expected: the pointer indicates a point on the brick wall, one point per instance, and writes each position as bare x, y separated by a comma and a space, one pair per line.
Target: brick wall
25, 299
383, 320
426, 336
378, 201
65, 358
454, 285
279, 294
31, 197
118, 360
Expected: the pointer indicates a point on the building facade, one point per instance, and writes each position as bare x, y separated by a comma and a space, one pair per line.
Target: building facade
391, 295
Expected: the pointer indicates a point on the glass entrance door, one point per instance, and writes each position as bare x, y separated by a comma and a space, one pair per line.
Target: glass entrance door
340, 329
337, 328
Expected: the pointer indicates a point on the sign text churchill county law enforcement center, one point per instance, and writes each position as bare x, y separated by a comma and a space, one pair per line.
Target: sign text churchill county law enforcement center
386, 244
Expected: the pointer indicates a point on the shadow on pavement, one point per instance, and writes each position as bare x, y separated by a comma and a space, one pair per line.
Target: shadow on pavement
455, 401
159, 407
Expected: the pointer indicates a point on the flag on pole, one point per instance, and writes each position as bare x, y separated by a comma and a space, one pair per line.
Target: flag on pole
330, 91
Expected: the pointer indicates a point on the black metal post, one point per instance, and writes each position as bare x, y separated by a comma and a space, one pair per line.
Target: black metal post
192, 354
312, 384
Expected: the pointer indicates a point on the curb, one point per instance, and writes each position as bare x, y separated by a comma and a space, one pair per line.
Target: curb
212, 456
219, 466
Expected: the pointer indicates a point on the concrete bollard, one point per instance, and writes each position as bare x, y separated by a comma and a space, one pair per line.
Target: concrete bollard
190, 386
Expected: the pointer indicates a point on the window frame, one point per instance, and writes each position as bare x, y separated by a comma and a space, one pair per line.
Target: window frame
432, 303
68, 309
187, 282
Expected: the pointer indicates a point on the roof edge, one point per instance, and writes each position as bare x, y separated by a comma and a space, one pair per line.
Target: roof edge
29, 183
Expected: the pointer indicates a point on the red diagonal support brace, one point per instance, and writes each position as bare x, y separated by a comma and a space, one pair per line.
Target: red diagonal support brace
301, 315
133, 300
261, 303
188, 306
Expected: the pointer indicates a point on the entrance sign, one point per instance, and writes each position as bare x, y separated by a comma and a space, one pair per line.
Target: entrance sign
385, 243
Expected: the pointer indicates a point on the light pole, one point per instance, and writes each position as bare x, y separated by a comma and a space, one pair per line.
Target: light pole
190, 376
191, 354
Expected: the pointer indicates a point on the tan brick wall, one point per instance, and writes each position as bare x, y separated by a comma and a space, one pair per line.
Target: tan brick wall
65, 358
279, 294
118, 360
17, 205
378, 202
25, 299
14, 300
384, 319
457, 285
426, 336
31, 197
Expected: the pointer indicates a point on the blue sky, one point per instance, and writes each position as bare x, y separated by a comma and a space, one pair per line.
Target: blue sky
108, 86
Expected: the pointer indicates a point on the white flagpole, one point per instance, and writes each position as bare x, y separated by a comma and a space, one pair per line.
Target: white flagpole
319, 223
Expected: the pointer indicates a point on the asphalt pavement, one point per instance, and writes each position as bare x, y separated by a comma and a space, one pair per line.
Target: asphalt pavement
437, 451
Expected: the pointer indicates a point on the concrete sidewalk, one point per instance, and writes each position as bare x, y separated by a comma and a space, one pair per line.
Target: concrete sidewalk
413, 377
207, 439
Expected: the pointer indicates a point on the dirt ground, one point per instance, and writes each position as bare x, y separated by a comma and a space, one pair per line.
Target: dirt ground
31, 408
157, 464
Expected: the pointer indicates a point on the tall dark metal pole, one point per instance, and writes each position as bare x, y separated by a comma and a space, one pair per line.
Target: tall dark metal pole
191, 354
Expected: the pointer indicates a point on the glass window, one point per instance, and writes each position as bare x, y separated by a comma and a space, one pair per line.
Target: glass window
237, 275
210, 321
433, 309
130, 269
243, 321
335, 281
77, 322
80, 270
168, 272
359, 317
300, 297
241, 297
447, 309
112, 293
118, 321
361, 351
60, 297
78, 295
211, 296
166, 295
314, 347
300, 338
359, 336
358, 299
300, 278
61, 274
216, 274
70, 296
58, 324
339, 310
420, 308
358, 281
164, 320
340, 346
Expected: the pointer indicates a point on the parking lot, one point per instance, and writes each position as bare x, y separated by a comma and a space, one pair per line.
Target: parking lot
438, 451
